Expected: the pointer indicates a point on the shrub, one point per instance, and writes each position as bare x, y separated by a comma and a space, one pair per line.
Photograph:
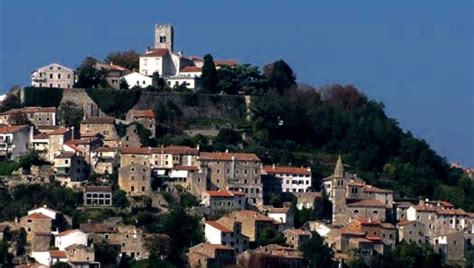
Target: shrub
43, 97
114, 102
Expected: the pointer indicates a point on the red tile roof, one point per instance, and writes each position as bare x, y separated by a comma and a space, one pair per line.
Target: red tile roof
374, 238
156, 52
298, 232
65, 155
29, 110
191, 69
68, 232
225, 62
251, 214
373, 189
99, 120
183, 150
12, 129
41, 136
37, 216
367, 203
136, 150
143, 113
287, 170
219, 226
193, 168
59, 131
96, 188
228, 156
106, 149
224, 193
57, 254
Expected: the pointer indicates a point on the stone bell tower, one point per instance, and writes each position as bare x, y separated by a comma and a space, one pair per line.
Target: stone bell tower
339, 203
164, 36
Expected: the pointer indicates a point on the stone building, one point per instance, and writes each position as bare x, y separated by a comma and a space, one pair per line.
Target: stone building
296, 237
164, 36
105, 160
412, 231
53, 75
14, 141
78, 253
38, 116
135, 179
374, 230
56, 141
83, 147
292, 179
283, 217
103, 126
145, 117
36, 223
131, 137
216, 233
451, 246
271, 256
223, 201
253, 223
97, 196
235, 171
70, 167
367, 209
208, 255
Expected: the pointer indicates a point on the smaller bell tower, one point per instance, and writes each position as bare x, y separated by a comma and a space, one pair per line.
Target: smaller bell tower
164, 36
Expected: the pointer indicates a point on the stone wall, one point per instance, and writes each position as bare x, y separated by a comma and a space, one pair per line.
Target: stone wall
80, 98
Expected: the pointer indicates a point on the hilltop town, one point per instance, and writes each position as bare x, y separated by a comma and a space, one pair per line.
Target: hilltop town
186, 161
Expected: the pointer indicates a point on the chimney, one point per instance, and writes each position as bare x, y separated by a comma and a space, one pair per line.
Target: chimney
226, 150
45, 206
16, 220
72, 132
273, 166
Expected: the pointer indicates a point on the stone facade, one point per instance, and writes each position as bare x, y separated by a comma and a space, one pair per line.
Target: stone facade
135, 179
36, 223
164, 36
253, 223
296, 237
145, 117
38, 116
208, 255
131, 138
412, 231
80, 253
14, 141
235, 171
70, 167
103, 126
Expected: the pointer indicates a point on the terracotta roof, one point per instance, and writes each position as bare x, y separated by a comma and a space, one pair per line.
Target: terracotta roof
287, 170
446, 204
225, 62
278, 210
191, 69
68, 232
404, 222
219, 226
224, 193
365, 221
106, 149
78, 141
41, 136
228, 156
65, 155
79, 246
143, 113
12, 129
96, 188
251, 214
367, 203
194, 168
30, 110
361, 239
373, 189
156, 52
183, 150
136, 150
37, 216
57, 254
387, 225
59, 131
451, 212
374, 238
99, 120
117, 67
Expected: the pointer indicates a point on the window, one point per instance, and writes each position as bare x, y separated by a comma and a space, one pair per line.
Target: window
162, 39
356, 211
50, 76
375, 212
59, 76
68, 76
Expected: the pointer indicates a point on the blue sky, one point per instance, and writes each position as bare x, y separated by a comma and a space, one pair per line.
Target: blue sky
415, 56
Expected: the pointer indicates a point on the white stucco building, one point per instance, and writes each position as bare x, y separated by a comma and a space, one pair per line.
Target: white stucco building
53, 75
216, 233
293, 179
70, 237
14, 141
137, 79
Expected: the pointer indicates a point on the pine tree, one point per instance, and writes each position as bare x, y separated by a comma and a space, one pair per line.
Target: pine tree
209, 76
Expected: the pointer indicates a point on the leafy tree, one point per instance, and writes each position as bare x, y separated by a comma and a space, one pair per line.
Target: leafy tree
42, 96
317, 253
239, 79
157, 82
209, 77
60, 264
227, 138
70, 115
18, 118
88, 76
123, 84
188, 200
280, 75
5, 257
32, 158
269, 236
129, 59
11, 101
106, 254
410, 255
119, 198
7, 167
114, 102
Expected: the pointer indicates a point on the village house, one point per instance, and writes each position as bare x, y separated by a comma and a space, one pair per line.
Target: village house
98, 232
223, 201
70, 167
83, 147
36, 223
188, 178
159, 158
293, 179
70, 237
191, 71
189, 82
78, 255
135, 79
145, 117
253, 223
411, 231
374, 230
38, 116
311, 200
271, 256
323, 229
367, 209
216, 233
284, 217
53, 75
103, 126
14, 141
235, 171
97, 196
40, 144
113, 73
49, 257
136, 155
296, 237
135, 179
451, 245
131, 137
104, 160
401, 210
208, 255
132, 241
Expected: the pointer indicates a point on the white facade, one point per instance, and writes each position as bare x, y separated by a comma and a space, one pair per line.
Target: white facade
70, 237
218, 234
14, 141
293, 179
45, 211
49, 258
53, 75
137, 79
